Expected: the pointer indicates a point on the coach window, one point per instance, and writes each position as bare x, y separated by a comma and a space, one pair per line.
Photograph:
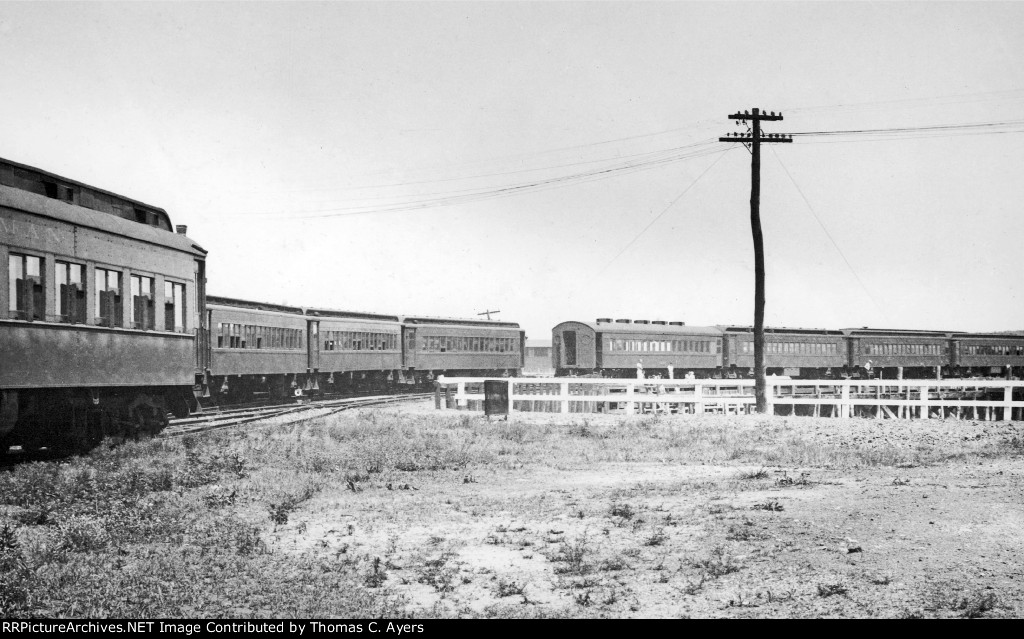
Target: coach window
25, 287
143, 310
70, 293
174, 307
108, 297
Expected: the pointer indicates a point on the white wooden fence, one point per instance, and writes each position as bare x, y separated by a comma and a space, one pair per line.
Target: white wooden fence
921, 399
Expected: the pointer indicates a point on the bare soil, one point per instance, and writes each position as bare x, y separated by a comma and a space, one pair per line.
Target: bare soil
875, 519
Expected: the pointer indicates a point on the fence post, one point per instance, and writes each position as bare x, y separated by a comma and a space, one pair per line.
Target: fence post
437, 395
511, 402
565, 397
925, 406
1007, 403
844, 401
770, 396
698, 395
630, 389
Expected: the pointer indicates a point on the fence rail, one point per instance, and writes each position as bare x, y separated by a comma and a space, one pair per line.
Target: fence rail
919, 399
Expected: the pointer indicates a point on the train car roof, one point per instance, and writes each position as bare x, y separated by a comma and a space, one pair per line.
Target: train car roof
1011, 336
327, 312
898, 332
421, 320
790, 330
659, 329
217, 300
43, 206
61, 178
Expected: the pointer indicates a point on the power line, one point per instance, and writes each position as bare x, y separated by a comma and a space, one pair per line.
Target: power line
650, 155
1009, 126
502, 191
830, 238
658, 217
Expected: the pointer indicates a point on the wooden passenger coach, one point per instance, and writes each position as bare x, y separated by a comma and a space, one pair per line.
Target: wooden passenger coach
435, 346
100, 308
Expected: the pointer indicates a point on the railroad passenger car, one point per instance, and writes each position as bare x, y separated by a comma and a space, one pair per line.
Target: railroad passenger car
615, 349
102, 310
987, 354
791, 352
433, 346
890, 354
257, 349
351, 351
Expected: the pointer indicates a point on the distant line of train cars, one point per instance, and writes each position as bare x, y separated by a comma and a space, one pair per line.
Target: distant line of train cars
672, 349
269, 350
105, 326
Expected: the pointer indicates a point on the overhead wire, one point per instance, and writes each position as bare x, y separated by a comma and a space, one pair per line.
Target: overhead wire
472, 195
665, 210
831, 239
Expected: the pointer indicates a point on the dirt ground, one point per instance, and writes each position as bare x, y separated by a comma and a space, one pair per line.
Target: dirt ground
625, 534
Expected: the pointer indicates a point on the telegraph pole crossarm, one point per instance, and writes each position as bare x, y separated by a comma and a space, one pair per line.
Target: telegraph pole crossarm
488, 313
755, 138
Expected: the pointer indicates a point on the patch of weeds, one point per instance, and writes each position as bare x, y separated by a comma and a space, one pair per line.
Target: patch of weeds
583, 599
581, 430
883, 580
693, 587
786, 481
753, 474
719, 509
279, 511
717, 564
283, 504
509, 588
80, 534
900, 482
514, 432
247, 540
613, 564
975, 605
219, 497
14, 575
625, 511
1014, 445
744, 532
657, 538
573, 554
377, 575
829, 590
770, 505
771, 597
438, 574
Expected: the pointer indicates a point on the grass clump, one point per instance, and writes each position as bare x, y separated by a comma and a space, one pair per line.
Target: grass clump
573, 555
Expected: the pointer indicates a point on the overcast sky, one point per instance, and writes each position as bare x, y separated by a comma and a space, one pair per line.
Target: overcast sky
450, 158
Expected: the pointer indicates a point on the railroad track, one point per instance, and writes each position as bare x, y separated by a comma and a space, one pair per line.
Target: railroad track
238, 417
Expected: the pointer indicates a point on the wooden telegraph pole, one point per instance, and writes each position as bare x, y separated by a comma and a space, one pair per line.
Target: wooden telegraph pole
754, 138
